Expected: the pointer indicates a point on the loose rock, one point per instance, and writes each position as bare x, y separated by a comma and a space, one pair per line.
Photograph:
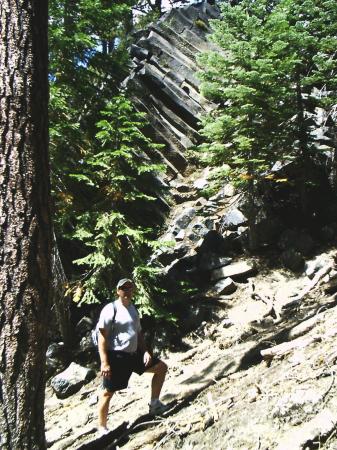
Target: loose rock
71, 380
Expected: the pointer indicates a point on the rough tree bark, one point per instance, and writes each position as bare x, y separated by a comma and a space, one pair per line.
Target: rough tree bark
25, 231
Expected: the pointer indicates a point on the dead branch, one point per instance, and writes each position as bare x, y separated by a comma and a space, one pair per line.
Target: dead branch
329, 388
317, 278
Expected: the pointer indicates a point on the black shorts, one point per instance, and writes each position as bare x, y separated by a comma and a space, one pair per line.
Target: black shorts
122, 364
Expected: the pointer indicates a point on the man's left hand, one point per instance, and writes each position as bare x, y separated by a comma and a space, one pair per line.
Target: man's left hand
147, 359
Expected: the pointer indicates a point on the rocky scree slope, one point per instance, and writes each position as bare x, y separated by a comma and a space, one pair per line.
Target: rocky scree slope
258, 373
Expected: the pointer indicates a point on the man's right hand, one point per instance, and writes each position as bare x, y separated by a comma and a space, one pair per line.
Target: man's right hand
105, 370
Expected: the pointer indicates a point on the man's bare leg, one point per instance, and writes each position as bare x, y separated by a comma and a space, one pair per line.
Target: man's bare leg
159, 371
103, 407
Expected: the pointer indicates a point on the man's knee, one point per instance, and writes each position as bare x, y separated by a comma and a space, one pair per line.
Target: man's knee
106, 394
161, 367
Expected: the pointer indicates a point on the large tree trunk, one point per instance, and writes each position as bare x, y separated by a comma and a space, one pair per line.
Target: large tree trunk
25, 231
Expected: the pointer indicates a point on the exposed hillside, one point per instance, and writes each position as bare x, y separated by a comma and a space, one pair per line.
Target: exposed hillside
252, 360
224, 394
257, 372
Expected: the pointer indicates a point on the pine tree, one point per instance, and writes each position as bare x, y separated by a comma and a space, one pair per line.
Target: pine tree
122, 187
103, 181
274, 59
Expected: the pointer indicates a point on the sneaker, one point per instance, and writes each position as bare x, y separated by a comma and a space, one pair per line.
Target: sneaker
157, 408
102, 431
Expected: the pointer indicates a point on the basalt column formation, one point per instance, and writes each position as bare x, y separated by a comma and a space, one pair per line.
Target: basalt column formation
164, 79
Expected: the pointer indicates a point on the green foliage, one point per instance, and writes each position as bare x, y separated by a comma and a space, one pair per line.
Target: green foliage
143, 20
88, 60
121, 188
274, 60
104, 186
216, 179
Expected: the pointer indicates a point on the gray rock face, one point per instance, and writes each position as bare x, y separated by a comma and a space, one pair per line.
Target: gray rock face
56, 357
183, 220
233, 219
226, 287
164, 78
71, 380
236, 270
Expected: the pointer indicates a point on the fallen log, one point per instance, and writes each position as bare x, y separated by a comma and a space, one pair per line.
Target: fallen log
287, 347
305, 326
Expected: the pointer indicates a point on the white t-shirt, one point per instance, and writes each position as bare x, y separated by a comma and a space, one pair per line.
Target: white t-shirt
122, 333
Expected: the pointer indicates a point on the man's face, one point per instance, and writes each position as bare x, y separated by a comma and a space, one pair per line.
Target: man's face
126, 291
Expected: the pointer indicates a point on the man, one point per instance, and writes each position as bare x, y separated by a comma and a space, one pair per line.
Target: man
122, 350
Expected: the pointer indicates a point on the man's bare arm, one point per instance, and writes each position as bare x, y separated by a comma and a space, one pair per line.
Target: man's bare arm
103, 353
142, 346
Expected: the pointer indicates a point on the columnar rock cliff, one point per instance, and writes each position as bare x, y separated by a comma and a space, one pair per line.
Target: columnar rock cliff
164, 79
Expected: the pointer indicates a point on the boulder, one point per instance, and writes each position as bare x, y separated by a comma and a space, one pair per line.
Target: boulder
181, 187
86, 344
200, 201
179, 268
56, 358
237, 270
71, 380
167, 255
183, 220
211, 206
217, 197
313, 266
84, 326
56, 350
212, 242
224, 287
53, 365
180, 236
199, 229
201, 183
228, 190
211, 261
233, 219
